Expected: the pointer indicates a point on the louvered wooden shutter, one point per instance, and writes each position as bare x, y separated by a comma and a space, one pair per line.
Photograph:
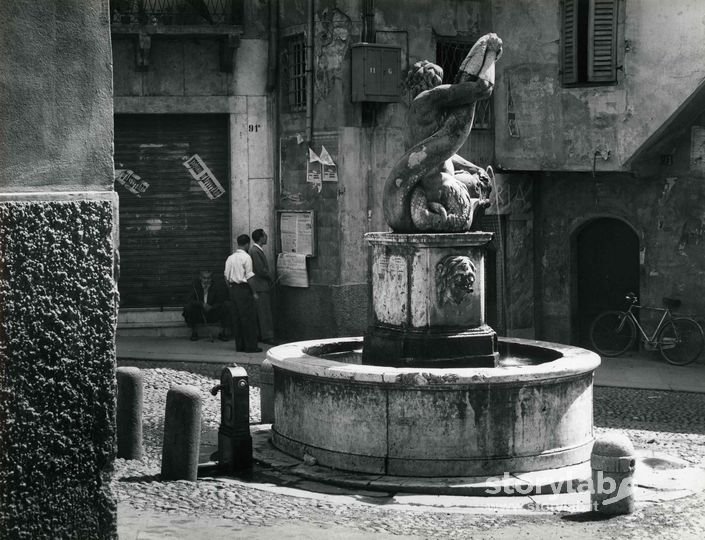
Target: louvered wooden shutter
602, 65
569, 56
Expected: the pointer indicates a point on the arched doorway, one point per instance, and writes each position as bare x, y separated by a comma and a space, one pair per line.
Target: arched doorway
606, 255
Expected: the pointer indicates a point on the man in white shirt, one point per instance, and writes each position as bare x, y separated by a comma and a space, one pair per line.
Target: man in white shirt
238, 276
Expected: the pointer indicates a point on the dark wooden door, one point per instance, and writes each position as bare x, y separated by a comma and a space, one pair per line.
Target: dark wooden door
607, 269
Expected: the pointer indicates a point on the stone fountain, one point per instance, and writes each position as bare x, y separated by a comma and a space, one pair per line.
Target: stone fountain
430, 390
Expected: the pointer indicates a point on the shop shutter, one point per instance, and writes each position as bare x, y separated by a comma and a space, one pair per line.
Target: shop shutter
602, 63
173, 229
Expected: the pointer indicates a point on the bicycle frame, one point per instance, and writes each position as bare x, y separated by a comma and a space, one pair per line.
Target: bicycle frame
667, 316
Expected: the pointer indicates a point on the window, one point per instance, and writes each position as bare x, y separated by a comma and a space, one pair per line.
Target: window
294, 66
450, 53
589, 42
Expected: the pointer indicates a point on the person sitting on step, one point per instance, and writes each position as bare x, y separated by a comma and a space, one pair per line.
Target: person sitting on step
207, 303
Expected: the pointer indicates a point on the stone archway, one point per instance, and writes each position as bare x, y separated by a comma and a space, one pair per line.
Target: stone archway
606, 268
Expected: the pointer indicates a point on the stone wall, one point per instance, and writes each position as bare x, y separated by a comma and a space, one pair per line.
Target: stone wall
57, 354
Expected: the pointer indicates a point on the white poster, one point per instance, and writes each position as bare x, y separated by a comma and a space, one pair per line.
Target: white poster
130, 181
296, 229
313, 170
291, 270
330, 170
203, 175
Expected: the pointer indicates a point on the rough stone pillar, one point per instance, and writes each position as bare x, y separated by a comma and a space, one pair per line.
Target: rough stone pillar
129, 412
182, 433
57, 288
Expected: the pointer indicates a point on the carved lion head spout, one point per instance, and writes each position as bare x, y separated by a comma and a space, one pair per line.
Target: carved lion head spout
455, 277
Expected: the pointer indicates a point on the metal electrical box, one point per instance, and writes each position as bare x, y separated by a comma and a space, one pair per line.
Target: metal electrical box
375, 72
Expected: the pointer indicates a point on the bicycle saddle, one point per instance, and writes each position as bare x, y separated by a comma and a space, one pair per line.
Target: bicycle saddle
671, 303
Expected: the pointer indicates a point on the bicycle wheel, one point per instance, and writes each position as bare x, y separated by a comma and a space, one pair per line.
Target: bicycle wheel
681, 341
612, 333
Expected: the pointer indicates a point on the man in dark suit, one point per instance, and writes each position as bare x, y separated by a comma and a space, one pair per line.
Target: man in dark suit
262, 283
207, 304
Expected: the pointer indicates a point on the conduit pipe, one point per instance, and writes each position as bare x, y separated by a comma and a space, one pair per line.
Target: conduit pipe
309, 72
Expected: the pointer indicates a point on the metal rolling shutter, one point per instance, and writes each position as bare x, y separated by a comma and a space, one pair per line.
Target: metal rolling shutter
173, 229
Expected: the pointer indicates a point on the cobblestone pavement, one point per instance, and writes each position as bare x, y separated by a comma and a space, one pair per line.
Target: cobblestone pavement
664, 421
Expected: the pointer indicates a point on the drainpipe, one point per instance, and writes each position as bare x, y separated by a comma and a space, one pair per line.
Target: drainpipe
368, 18
309, 72
273, 50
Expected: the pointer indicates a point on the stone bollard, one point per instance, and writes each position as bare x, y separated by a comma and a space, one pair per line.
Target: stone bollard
613, 460
129, 412
266, 393
182, 433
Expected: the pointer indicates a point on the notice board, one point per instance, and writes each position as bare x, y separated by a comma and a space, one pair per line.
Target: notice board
297, 232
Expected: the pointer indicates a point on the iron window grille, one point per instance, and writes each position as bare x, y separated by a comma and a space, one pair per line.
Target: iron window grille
294, 72
450, 53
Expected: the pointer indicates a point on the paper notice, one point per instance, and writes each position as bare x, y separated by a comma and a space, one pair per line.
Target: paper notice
204, 176
291, 270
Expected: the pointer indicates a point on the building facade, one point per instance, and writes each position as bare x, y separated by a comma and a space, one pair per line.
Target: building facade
593, 133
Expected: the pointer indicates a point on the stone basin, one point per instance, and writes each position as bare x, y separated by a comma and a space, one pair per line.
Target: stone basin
532, 412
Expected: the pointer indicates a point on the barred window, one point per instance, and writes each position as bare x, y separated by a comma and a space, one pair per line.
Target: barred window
589, 42
294, 76
450, 53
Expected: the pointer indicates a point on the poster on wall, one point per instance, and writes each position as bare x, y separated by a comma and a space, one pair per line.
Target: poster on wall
330, 170
313, 170
203, 175
291, 270
130, 181
296, 232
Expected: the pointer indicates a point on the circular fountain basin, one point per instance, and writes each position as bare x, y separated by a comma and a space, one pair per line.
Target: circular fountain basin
532, 412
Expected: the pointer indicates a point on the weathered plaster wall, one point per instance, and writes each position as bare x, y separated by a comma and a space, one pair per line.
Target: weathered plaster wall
665, 208
46, 74
57, 292
618, 118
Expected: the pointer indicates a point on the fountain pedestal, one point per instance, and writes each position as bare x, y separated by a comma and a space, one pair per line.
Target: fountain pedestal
428, 301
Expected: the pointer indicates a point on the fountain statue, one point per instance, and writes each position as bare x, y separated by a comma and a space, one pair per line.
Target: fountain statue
439, 319
431, 390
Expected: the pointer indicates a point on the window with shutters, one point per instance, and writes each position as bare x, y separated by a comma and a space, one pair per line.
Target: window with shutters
589, 42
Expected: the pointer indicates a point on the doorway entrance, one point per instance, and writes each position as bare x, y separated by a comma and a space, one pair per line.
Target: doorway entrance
606, 254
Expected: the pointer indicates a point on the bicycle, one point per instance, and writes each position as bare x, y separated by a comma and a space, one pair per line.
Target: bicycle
679, 339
